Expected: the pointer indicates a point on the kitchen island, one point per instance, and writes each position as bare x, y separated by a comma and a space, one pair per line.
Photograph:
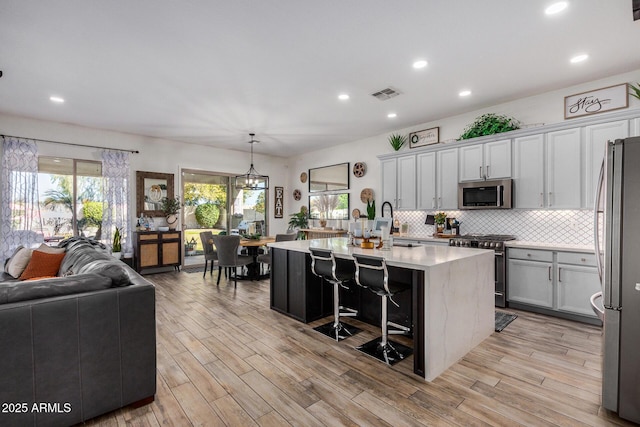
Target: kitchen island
452, 295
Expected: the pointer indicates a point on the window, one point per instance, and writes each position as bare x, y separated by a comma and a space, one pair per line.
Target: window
70, 197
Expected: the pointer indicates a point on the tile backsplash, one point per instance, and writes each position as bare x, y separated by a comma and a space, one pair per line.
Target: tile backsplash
551, 226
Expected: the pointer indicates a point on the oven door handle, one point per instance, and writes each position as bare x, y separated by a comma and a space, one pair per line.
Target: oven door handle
500, 187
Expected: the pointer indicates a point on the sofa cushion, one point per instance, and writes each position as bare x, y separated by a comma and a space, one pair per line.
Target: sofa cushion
17, 263
52, 287
42, 264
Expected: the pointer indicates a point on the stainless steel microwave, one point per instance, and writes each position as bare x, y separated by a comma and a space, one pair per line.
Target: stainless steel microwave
485, 194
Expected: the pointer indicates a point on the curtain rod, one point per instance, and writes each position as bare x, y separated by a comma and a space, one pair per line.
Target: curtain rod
71, 143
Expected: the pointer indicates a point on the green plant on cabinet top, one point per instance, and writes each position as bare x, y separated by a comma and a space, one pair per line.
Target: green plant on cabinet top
634, 90
489, 124
397, 141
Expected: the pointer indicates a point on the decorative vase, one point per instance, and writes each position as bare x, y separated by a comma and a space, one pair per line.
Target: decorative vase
172, 221
439, 228
323, 223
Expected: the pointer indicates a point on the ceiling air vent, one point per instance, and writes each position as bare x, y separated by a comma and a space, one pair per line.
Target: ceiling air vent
386, 93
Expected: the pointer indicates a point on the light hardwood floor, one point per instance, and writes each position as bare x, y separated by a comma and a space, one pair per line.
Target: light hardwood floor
225, 358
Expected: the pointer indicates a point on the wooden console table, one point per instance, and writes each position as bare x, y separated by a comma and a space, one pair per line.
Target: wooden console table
153, 249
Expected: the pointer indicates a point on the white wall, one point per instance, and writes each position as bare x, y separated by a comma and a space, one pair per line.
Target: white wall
156, 155
546, 108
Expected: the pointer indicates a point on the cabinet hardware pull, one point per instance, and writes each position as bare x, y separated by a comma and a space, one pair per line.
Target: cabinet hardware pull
549, 273
541, 199
550, 193
488, 171
440, 201
583, 259
433, 204
480, 172
559, 276
528, 254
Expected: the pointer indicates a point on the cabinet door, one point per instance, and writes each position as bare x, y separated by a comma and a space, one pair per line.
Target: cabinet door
447, 182
634, 127
388, 172
471, 163
528, 174
575, 286
148, 256
170, 253
426, 164
564, 169
530, 282
406, 184
497, 159
596, 138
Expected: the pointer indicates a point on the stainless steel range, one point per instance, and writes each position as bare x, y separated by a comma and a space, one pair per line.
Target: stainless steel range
489, 241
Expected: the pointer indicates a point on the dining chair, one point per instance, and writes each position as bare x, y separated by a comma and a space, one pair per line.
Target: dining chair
210, 253
227, 247
265, 258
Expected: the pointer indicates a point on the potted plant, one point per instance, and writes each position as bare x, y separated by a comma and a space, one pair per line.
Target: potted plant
634, 90
397, 141
489, 124
116, 248
439, 219
170, 208
299, 221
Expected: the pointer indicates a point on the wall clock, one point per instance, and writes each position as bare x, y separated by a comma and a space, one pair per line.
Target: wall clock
297, 195
359, 169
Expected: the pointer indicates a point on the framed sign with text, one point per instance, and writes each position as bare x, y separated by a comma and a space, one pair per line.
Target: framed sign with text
596, 101
278, 206
424, 137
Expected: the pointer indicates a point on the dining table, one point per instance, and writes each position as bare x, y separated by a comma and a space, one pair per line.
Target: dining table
253, 246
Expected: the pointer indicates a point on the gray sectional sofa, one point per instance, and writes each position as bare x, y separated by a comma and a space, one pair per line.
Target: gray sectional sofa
76, 346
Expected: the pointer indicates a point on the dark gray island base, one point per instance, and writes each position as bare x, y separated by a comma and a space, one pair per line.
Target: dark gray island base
449, 307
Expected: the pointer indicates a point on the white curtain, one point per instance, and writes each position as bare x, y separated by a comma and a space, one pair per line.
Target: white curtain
115, 174
20, 222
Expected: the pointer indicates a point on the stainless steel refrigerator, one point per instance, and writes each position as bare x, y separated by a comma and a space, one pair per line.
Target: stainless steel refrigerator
619, 196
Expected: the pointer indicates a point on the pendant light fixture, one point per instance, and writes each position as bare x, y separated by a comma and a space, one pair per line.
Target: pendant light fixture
252, 180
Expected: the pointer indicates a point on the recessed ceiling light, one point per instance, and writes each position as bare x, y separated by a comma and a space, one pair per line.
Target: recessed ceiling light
343, 97
579, 58
464, 93
56, 99
420, 64
556, 8
392, 115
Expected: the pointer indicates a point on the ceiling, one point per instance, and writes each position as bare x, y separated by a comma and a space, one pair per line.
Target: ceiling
210, 72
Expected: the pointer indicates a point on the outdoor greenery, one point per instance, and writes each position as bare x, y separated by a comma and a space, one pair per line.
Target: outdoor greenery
634, 90
195, 194
397, 141
207, 215
489, 124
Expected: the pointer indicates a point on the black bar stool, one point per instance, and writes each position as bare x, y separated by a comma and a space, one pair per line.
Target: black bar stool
372, 273
324, 265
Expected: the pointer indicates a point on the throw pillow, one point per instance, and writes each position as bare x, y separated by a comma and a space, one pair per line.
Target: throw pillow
50, 249
18, 262
42, 264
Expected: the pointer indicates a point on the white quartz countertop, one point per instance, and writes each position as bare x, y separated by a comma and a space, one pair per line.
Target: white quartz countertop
421, 237
550, 246
417, 257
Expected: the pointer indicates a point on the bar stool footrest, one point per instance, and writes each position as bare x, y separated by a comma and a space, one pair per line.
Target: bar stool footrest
341, 332
390, 354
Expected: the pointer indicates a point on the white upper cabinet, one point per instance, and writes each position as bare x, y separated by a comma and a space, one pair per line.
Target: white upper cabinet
426, 163
447, 179
399, 182
486, 161
596, 137
564, 169
528, 172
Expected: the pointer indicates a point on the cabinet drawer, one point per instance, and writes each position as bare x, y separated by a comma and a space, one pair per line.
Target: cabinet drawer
577, 258
530, 254
168, 236
148, 237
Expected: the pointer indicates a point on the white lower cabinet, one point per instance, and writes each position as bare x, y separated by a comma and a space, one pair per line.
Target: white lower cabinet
559, 282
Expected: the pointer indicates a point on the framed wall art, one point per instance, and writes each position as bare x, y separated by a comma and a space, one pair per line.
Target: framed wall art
278, 206
424, 137
596, 101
